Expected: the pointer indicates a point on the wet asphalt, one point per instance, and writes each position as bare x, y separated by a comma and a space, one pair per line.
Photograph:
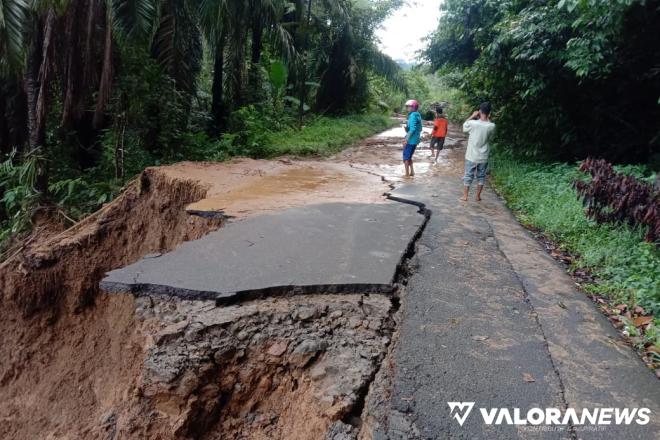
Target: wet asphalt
488, 317
328, 248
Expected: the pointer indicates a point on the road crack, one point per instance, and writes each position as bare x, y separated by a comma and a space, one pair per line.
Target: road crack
562, 388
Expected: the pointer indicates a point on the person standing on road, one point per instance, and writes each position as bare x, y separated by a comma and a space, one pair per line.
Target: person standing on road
438, 134
413, 135
481, 131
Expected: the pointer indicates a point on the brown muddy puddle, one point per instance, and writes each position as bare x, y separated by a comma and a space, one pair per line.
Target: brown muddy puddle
297, 180
358, 174
382, 153
285, 184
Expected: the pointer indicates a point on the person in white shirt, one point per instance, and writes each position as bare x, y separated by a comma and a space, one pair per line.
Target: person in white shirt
481, 131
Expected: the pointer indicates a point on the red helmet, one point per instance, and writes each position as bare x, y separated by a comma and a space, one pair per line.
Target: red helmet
412, 103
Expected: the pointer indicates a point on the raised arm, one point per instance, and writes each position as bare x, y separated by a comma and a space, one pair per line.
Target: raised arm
473, 116
466, 125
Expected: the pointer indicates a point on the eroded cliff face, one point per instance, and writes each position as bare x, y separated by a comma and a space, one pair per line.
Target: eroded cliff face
67, 352
76, 362
272, 368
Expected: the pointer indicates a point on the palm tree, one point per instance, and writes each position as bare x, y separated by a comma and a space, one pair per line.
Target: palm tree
348, 53
63, 44
13, 16
266, 22
214, 21
230, 28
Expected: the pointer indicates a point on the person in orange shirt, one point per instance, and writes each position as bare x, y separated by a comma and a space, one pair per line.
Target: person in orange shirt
439, 133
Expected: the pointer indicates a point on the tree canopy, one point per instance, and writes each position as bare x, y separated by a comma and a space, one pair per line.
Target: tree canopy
92, 91
568, 78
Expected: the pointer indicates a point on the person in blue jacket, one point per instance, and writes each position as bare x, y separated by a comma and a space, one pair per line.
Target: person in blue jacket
413, 135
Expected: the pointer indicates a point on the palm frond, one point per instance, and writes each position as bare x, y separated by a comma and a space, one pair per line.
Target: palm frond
13, 20
136, 19
213, 18
386, 67
177, 45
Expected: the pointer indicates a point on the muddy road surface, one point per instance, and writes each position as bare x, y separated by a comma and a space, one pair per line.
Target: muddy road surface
303, 299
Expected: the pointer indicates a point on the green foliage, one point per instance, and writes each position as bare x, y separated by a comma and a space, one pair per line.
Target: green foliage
345, 54
135, 19
248, 131
567, 78
431, 90
278, 74
18, 196
13, 14
383, 95
151, 116
542, 195
323, 136
128, 84
77, 197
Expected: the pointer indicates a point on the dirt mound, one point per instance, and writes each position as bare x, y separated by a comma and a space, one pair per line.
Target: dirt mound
64, 270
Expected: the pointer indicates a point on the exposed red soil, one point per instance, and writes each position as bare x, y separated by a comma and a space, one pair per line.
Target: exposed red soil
245, 187
66, 352
72, 358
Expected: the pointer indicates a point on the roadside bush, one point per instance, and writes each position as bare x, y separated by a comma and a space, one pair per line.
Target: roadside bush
542, 195
613, 197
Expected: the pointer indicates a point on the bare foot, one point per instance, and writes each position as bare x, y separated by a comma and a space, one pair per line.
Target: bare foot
412, 174
463, 199
478, 198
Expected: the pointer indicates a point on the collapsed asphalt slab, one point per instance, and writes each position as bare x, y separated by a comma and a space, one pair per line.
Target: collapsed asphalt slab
333, 247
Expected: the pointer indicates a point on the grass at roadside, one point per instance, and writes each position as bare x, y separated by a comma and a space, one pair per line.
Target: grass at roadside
627, 267
324, 135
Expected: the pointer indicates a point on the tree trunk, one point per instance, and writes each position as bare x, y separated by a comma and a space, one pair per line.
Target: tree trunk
106, 76
36, 88
217, 104
72, 75
13, 116
4, 126
255, 60
35, 136
303, 67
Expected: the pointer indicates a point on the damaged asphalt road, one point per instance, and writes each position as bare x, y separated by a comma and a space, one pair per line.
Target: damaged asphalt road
480, 323
473, 317
334, 247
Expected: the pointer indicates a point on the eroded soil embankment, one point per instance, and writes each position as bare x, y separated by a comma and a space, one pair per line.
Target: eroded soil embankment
76, 363
66, 353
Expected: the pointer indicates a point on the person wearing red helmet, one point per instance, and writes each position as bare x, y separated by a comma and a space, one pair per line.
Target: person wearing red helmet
413, 135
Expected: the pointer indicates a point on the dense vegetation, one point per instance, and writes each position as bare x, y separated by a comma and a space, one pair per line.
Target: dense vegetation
570, 79
567, 78
91, 92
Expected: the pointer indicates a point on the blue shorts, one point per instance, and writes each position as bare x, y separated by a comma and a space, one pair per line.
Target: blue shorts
408, 151
472, 168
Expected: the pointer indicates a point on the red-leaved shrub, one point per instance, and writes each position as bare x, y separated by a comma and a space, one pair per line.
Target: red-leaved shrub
613, 197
